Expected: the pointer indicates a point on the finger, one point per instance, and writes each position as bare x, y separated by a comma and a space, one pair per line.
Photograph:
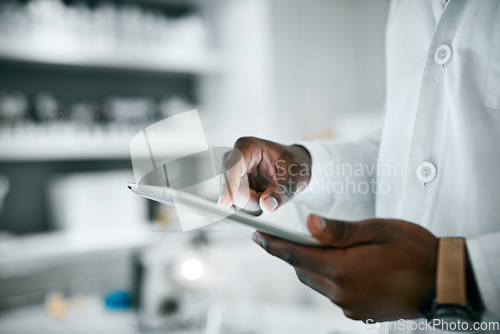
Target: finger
341, 234
316, 282
284, 186
257, 212
303, 257
247, 200
274, 197
242, 159
324, 286
233, 170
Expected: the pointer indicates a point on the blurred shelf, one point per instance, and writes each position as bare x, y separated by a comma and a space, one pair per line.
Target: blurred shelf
28, 254
175, 2
172, 2
197, 62
42, 152
54, 145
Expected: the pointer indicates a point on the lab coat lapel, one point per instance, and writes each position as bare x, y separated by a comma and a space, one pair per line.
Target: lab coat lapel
437, 8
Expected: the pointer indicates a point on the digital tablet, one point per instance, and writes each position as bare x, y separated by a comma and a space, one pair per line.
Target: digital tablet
206, 208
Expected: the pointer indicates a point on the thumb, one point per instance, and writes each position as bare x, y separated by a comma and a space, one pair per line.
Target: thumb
275, 196
341, 234
280, 192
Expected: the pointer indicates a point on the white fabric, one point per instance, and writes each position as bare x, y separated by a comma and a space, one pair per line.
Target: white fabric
446, 115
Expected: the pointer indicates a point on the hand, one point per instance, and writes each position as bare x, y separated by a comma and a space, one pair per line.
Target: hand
268, 173
379, 269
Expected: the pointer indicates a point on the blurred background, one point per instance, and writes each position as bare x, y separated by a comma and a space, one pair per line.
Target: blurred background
78, 79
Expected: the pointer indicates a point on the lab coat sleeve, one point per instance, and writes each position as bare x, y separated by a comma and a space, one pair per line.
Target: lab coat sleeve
484, 253
343, 179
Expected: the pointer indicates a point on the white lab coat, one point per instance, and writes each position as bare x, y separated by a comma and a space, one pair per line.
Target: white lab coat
441, 131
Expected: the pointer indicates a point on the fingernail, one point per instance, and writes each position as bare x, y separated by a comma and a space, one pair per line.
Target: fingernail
221, 202
319, 223
271, 203
257, 239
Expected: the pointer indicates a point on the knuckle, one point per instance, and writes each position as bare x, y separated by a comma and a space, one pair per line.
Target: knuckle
232, 167
288, 155
283, 191
340, 299
339, 231
302, 276
243, 141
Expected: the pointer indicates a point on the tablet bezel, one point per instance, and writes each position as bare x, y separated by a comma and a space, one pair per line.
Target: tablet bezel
206, 208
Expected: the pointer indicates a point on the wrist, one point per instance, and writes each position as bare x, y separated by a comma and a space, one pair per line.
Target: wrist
456, 295
302, 157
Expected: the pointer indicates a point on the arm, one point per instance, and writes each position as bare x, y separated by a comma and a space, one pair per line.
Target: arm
343, 178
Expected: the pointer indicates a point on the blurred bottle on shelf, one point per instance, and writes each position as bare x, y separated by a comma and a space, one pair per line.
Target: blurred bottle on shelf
99, 127
112, 110
173, 105
57, 26
13, 106
83, 113
129, 110
4, 190
47, 107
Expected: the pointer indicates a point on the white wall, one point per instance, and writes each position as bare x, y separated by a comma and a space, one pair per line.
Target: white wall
240, 101
329, 60
294, 67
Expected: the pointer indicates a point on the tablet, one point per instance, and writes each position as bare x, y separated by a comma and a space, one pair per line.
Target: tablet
206, 208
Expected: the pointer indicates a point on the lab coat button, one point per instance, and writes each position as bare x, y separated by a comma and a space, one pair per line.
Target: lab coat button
443, 54
426, 172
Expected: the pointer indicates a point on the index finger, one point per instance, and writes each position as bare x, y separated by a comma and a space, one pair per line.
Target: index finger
232, 171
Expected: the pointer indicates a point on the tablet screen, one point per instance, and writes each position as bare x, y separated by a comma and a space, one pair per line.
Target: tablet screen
212, 212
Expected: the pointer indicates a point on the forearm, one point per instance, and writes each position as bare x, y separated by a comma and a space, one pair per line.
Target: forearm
343, 181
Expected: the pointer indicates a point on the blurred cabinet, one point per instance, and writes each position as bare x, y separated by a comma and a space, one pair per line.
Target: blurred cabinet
79, 78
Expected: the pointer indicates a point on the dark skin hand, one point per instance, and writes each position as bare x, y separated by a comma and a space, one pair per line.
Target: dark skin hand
379, 269
265, 174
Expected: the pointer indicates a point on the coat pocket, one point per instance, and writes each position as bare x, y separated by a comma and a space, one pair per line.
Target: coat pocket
492, 94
